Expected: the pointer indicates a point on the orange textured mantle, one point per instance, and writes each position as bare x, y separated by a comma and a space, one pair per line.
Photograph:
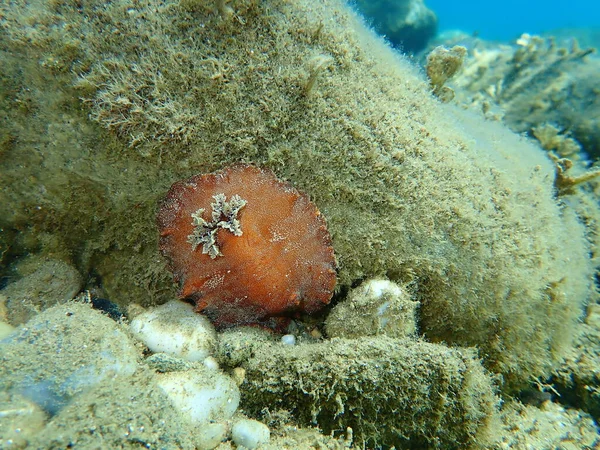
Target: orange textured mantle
246, 247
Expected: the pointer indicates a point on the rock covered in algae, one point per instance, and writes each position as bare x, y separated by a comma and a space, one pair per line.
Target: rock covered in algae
101, 418
46, 282
407, 24
419, 192
578, 378
550, 426
62, 353
389, 391
375, 307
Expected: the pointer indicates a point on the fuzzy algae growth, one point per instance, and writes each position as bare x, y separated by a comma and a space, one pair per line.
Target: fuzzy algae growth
389, 391
460, 210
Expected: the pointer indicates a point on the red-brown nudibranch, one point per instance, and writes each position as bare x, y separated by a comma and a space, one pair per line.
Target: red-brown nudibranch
246, 247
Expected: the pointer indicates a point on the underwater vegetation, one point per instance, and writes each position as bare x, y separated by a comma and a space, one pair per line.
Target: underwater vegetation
459, 410
108, 104
536, 84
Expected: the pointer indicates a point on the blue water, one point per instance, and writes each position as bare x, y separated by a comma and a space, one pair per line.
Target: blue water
506, 20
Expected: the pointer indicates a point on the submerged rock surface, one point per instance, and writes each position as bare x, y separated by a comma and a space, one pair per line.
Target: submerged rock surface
422, 193
389, 391
107, 104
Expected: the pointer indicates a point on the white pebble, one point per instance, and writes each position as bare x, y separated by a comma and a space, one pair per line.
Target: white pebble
204, 397
211, 363
250, 433
288, 339
174, 328
210, 435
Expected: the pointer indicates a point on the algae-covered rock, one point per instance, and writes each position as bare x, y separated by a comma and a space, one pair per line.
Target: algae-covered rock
389, 391
424, 194
62, 353
578, 378
47, 283
408, 24
548, 427
375, 307
237, 345
128, 413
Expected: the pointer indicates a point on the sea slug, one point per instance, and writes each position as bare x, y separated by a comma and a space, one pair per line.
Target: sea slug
246, 247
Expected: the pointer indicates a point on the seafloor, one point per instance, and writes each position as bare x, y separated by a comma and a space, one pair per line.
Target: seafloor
459, 189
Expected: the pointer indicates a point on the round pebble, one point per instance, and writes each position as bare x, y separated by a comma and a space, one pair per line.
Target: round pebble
250, 433
288, 339
174, 328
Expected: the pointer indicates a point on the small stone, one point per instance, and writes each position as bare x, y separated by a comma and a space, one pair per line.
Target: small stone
211, 435
376, 307
239, 375
20, 419
211, 363
288, 339
163, 363
203, 395
48, 282
174, 328
250, 433
315, 333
